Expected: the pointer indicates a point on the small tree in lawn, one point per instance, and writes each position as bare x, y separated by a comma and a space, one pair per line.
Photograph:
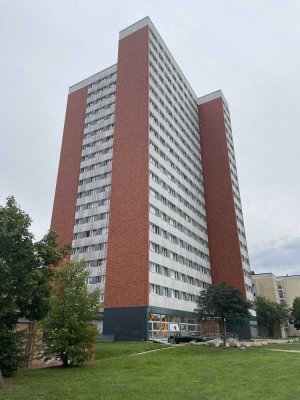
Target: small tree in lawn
222, 302
269, 314
296, 312
68, 333
25, 272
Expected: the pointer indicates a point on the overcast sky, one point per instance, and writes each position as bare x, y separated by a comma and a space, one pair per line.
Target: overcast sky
248, 48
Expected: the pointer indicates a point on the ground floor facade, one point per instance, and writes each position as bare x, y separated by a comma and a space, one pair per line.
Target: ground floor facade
148, 323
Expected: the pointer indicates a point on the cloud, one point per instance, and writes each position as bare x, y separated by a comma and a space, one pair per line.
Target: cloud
257, 69
280, 256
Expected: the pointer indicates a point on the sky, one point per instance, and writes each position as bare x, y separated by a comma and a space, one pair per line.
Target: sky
247, 48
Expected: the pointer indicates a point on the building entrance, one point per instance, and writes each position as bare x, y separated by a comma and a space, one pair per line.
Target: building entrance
160, 325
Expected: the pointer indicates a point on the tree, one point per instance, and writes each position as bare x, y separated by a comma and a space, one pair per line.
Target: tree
296, 312
222, 302
24, 280
269, 314
69, 334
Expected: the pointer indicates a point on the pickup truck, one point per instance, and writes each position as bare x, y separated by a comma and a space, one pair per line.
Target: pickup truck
180, 337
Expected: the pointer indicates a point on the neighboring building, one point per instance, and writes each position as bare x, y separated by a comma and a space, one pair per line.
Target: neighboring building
147, 190
279, 289
291, 287
267, 285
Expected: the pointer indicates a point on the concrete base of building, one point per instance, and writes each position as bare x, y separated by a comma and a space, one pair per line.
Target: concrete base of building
126, 323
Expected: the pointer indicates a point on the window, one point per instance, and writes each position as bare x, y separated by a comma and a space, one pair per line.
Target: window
164, 252
154, 268
173, 238
153, 193
154, 247
154, 228
93, 280
154, 289
164, 234
172, 274
97, 263
152, 210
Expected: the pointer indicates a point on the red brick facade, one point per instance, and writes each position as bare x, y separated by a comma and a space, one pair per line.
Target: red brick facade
224, 246
64, 207
127, 277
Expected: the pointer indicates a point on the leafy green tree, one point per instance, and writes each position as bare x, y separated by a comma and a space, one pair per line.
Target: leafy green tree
271, 314
222, 302
69, 333
24, 280
296, 312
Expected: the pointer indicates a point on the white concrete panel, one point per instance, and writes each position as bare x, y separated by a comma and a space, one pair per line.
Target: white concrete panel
92, 78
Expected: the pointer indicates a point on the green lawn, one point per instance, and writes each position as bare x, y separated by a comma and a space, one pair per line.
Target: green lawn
181, 372
285, 346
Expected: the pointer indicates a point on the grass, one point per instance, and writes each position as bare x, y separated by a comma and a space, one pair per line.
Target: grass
285, 346
121, 349
181, 372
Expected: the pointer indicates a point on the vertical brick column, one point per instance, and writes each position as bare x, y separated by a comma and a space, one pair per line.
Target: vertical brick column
224, 246
127, 276
64, 206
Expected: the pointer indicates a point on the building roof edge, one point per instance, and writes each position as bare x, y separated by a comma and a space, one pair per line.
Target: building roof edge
90, 79
212, 96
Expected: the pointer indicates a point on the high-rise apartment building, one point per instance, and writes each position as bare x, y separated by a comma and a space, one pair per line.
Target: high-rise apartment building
147, 190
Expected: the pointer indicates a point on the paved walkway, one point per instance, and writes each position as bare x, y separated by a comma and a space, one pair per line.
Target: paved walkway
286, 351
151, 351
